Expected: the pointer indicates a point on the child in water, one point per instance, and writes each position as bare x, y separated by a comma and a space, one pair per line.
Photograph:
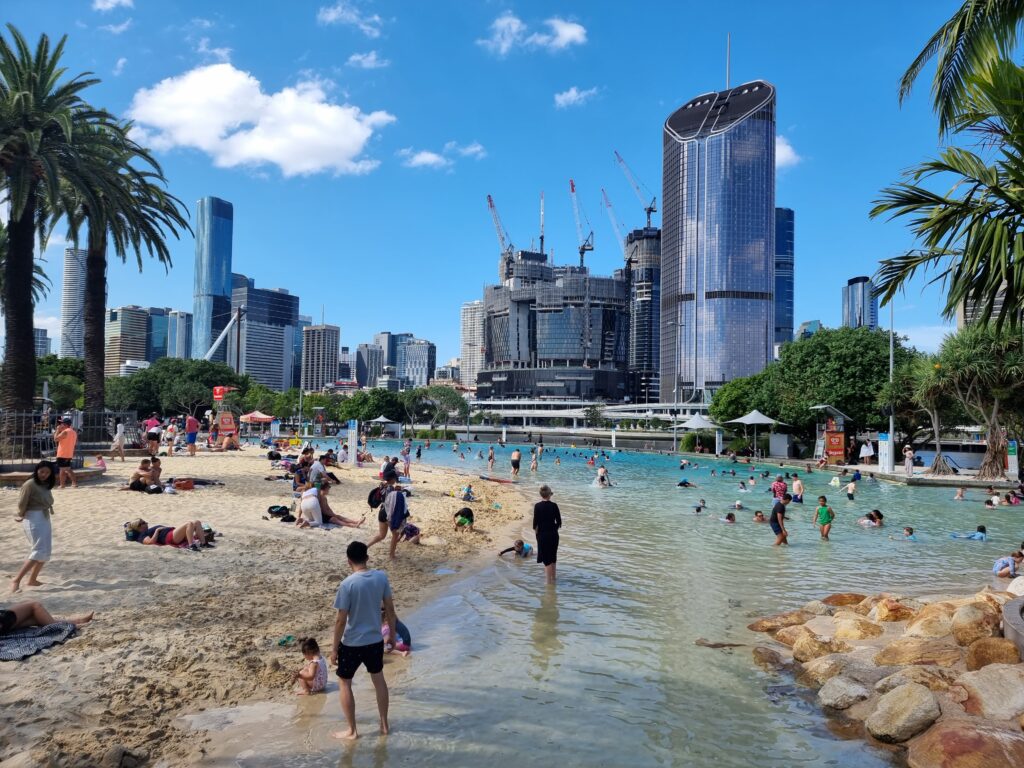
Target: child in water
312, 676
823, 517
729, 518
520, 547
908, 534
979, 535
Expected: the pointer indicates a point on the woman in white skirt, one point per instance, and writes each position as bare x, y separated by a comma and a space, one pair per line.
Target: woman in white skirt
315, 511
35, 506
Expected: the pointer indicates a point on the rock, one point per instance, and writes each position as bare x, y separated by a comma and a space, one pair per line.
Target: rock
32, 759
967, 744
841, 693
932, 678
996, 599
889, 609
857, 629
1016, 587
120, 756
991, 650
766, 658
818, 608
933, 620
913, 650
843, 598
974, 621
817, 671
811, 646
789, 635
995, 691
903, 713
780, 620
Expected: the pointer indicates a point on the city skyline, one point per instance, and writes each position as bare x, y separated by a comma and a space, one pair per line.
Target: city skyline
440, 184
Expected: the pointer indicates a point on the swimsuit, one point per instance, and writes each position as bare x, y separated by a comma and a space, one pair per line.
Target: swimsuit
824, 517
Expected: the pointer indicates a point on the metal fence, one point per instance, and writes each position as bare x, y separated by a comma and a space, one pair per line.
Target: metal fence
26, 437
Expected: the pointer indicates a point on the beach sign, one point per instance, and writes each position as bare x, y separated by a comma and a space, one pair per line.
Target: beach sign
226, 423
218, 394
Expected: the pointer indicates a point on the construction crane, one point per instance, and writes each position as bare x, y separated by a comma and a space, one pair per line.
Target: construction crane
650, 207
585, 243
504, 239
616, 227
542, 222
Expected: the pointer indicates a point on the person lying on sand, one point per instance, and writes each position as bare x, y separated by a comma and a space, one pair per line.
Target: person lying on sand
32, 613
190, 534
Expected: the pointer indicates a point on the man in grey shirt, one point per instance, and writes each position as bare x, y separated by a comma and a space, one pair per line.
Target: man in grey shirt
357, 636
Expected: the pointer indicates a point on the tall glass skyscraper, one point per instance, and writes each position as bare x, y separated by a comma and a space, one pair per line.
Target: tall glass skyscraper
718, 241
860, 305
179, 334
212, 304
643, 253
270, 321
783, 275
472, 347
72, 300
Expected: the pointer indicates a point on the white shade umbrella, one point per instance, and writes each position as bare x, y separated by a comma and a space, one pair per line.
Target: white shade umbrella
754, 418
697, 421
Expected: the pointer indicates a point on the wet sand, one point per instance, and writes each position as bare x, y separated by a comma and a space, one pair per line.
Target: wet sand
179, 631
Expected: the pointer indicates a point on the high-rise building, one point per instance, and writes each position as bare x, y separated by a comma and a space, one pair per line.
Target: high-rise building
346, 365
807, 329
72, 302
784, 264
304, 322
42, 339
391, 343
212, 307
320, 345
126, 334
157, 333
860, 305
179, 334
717, 245
448, 373
472, 357
417, 362
369, 364
270, 319
970, 312
554, 332
643, 255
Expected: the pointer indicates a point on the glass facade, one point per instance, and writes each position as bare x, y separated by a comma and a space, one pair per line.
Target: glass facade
179, 334
419, 360
270, 321
860, 305
472, 347
718, 250
643, 254
784, 275
212, 304
156, 337
369, 364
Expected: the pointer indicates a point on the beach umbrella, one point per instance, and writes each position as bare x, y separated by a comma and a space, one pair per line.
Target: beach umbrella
697, 421
256, 417
755, 418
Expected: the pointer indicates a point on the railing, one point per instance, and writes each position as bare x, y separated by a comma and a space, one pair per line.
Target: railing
26, 437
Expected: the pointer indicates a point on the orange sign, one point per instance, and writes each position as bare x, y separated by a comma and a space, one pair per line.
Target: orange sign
835, 447
218, 394
226, 423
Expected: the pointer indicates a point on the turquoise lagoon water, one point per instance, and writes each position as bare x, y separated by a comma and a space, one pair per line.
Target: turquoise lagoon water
603, 670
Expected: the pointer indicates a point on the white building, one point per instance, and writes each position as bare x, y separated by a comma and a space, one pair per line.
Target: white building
72, 301
320, 347
471, 360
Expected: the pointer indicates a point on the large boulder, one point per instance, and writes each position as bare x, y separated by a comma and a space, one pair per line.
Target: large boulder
997, 599
903, 713
811, 646
974, 621
914, 650
817, 671
967, 744
767, 658
932, 678
890, 609
857, 628
789, 635
1016, 587
934, 620
844, 598
842, 693
818, 608
991, 650
780, 620
995, 691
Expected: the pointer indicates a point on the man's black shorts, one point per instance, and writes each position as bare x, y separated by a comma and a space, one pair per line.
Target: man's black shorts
351, 656
66, 463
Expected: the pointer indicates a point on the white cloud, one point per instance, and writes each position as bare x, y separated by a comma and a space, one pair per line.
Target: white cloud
117, 29
225, 113
109, 5
423, 158
52, 325
367, 61
475, 150
220, 54
574, 97
508, 31
345, 13
119, 67
785, 155
927, 338
200, 23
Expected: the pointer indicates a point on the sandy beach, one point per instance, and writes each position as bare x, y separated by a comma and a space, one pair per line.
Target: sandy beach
177, 631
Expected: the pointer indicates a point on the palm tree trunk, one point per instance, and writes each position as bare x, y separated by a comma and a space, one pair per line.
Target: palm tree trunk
95, 310
19, 369
939, 465
993, 466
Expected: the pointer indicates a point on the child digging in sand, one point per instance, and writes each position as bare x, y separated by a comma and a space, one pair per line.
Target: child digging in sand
312, 677
464, 519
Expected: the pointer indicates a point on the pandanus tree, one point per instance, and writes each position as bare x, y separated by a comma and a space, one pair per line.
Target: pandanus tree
930, 393
130, 213
38, 108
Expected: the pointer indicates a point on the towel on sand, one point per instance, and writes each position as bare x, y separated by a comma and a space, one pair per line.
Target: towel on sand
22, 643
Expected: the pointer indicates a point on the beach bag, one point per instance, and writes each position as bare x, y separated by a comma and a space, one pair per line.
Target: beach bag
274, 455
375, 498
277, 510
185, 484
155, 488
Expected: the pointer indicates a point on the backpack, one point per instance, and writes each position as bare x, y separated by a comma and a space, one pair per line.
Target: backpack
376, 497
277, 510
154, 488
274, 455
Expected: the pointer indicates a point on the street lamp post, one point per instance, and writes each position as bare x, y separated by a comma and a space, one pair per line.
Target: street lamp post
891, 463
675, 382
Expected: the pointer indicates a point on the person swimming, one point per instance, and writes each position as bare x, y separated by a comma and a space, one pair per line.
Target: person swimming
684, 483
743, 488
980, 534
729, 518
759, 517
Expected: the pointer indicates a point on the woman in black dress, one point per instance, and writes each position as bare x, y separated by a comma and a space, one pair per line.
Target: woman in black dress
546, 521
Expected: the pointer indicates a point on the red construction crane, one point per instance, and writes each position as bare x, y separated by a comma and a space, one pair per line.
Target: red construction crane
616, 227
585, 243
649, 208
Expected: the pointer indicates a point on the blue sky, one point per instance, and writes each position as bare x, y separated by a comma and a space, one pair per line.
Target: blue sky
358, 140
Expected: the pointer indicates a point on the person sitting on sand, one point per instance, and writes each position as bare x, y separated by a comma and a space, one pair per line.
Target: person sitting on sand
464, 519
315, 511
980, 534
155, 470
1008, 567
759, 517
141, 477
32, 613
189, 535
100, 463
520, 548
467, 493
403, 639
312, 676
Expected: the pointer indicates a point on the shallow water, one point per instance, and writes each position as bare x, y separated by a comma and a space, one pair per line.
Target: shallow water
603, 669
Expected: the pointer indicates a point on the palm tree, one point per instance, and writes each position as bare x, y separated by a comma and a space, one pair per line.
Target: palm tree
980, 32
40, 282
973, 234
37, 111
131, 212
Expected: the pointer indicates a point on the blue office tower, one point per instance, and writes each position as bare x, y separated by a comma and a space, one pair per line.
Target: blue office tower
212, 307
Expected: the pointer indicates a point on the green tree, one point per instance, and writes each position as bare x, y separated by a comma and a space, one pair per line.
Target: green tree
445, 402
984, 370
259, 397
51, 365
593, 415
37, 156
413, 400
65, 391
931, 393
156, 388
185, 397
